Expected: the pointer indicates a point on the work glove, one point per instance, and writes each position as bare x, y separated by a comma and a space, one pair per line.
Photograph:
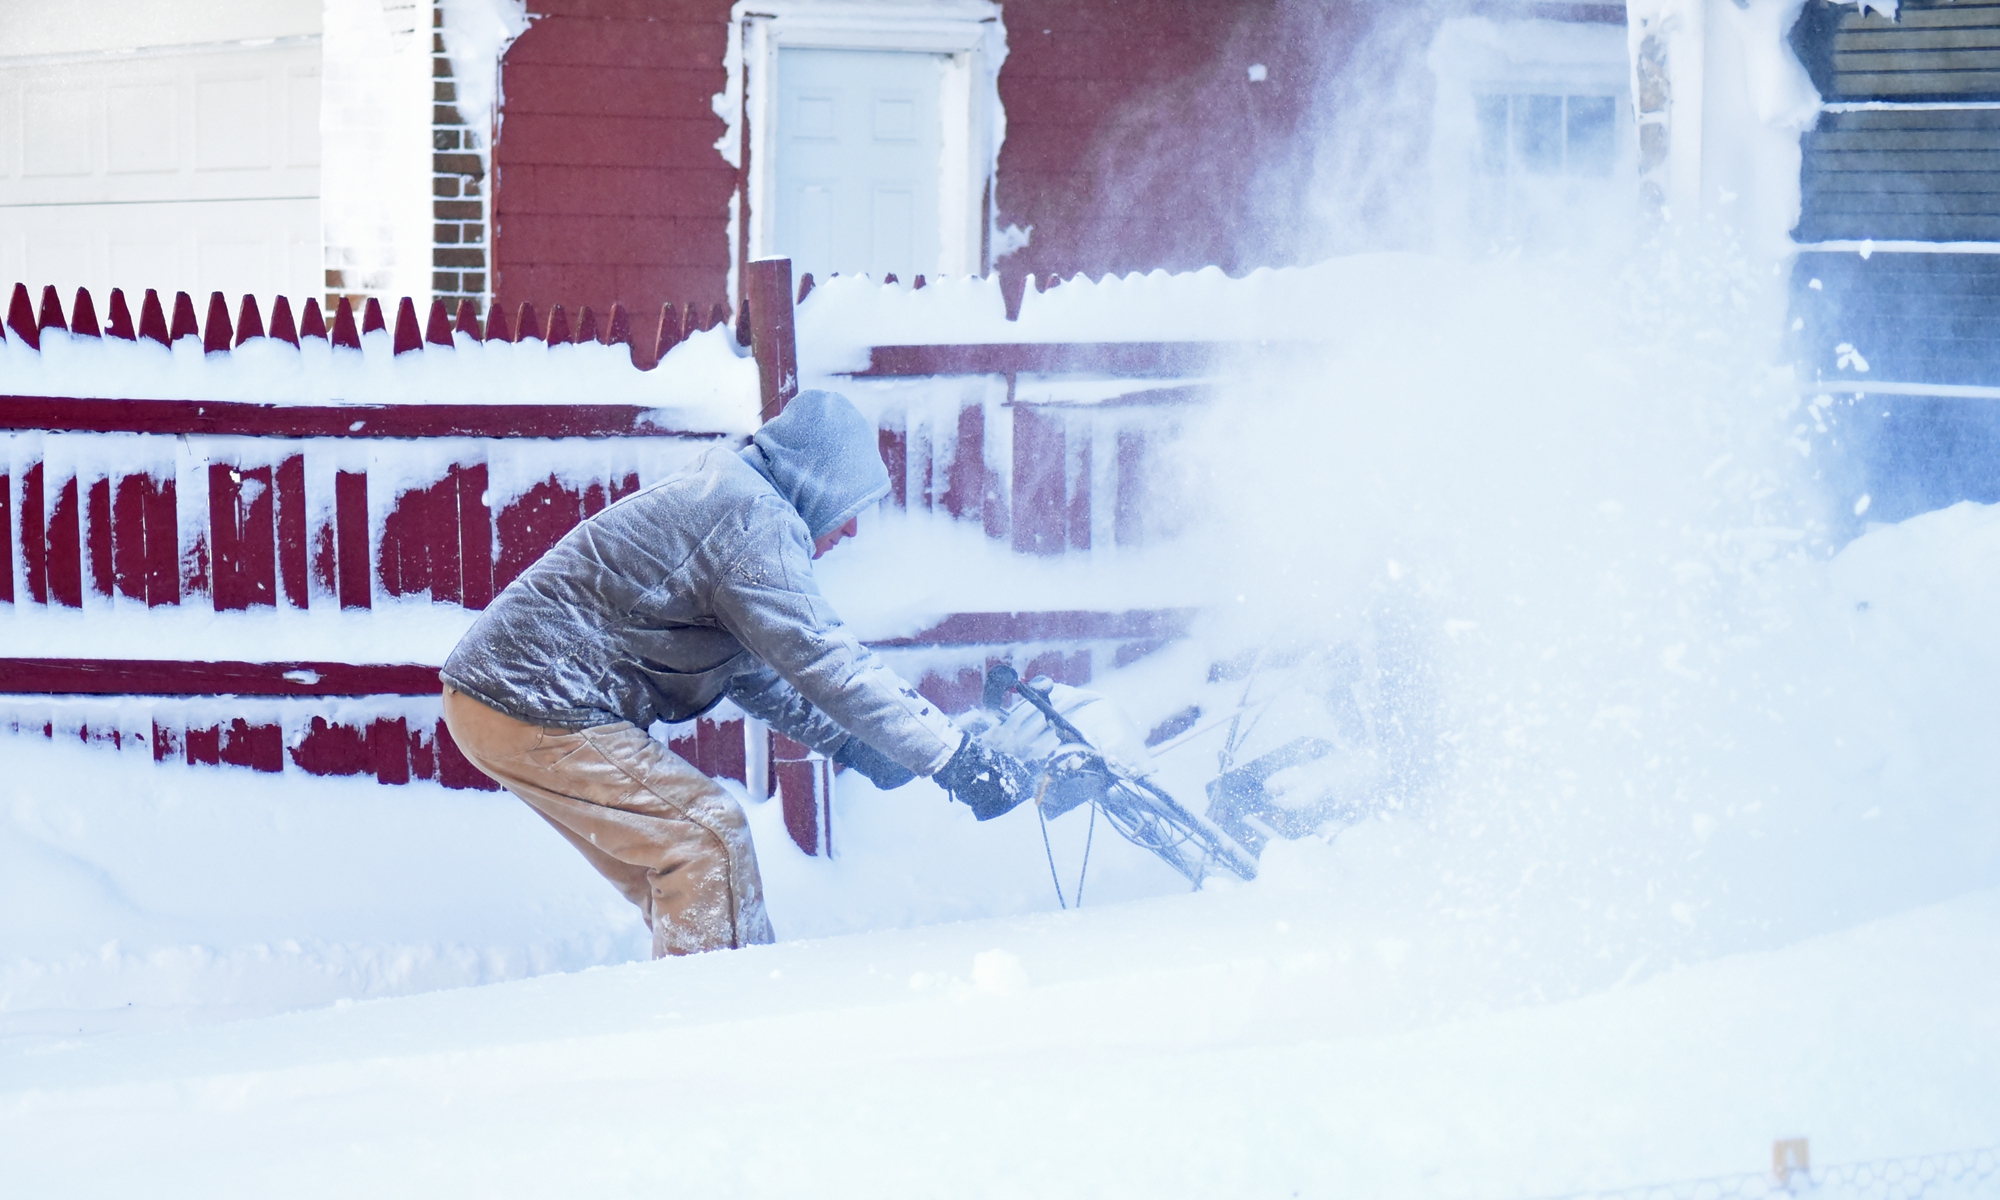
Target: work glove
988, 781
882, 771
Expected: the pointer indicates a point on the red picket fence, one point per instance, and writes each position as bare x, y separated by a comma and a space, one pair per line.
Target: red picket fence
241, 507
219, 333
292, 508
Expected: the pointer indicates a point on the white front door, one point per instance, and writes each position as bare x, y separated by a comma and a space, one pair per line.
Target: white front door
859, 162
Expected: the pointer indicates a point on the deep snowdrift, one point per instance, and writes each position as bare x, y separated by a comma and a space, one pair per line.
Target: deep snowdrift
1203, 1046
136, 894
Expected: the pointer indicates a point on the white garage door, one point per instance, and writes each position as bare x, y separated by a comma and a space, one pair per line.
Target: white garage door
178, 170
859, 161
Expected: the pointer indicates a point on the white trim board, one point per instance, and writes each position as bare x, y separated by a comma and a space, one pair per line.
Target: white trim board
73, 57
1866, 247
1950, 391
1847, 106
969, 32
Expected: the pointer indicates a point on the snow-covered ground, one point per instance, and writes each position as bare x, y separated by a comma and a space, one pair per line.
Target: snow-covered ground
1679, 838
1264, 1042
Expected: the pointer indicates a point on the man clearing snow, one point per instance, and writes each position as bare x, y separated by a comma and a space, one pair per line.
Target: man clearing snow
697, 588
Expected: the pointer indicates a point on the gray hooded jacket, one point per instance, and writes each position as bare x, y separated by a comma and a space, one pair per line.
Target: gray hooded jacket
701, 587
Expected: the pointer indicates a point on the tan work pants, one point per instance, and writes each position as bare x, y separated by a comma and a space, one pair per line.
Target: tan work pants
662, 832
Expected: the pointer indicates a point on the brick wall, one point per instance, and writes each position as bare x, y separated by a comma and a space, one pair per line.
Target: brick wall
606, 183
459, 153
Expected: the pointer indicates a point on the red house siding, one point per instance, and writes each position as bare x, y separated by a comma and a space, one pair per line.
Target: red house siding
607, 186
1136, 138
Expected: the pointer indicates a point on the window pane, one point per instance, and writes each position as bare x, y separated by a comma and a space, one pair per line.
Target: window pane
1591, 121
1538, 134
1490, 156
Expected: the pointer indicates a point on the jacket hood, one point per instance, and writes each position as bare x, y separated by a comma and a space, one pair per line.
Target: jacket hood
821, 455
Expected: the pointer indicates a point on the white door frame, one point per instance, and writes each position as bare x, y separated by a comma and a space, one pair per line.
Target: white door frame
967, 32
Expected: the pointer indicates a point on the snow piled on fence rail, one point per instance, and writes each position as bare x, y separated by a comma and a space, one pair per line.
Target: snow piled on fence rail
707, 383
843, 316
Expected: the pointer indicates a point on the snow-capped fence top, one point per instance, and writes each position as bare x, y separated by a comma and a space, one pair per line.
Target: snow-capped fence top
448, 502
218, 334
840, 320
700, 379
314, 469
334, 480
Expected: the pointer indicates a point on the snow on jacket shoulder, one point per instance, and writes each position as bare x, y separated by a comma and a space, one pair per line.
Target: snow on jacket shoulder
698, 587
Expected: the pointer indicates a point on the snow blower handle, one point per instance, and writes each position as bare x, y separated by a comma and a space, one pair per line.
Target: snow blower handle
1001, 679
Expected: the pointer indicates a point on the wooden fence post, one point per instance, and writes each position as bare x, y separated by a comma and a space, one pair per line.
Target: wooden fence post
768, 294
804, 783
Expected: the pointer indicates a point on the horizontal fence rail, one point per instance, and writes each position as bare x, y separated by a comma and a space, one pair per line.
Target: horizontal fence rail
1133, 632
225, 418
165, 677
120, 506
383, 720
1126, 359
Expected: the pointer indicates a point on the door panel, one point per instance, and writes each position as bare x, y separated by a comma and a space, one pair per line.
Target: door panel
190, 170
859, 161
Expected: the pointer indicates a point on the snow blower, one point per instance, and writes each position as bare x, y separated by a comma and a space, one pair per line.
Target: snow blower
1075, 771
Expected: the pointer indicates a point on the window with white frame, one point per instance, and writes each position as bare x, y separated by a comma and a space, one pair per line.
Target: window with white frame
1532, 142
1538, 134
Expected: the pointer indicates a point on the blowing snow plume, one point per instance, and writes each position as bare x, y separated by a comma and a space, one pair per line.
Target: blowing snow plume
1635, 702
1550, 547
1541, 558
